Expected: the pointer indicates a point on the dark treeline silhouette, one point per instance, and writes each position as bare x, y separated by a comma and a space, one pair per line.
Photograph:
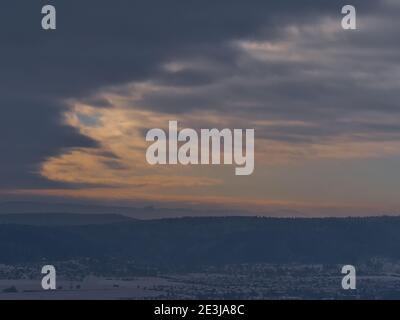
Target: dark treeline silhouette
204, 241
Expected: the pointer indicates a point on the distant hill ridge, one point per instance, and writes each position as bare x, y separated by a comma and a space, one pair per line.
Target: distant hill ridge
192, 242
61, 219
145, 212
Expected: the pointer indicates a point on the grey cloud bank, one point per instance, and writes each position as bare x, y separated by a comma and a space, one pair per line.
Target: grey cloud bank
97, 45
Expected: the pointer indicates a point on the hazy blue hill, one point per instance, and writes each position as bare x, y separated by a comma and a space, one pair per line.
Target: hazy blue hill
207, 241
144, 213
61, 219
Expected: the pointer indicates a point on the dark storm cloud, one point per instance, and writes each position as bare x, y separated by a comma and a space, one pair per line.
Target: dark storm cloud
341, 80
103, 43
29, 133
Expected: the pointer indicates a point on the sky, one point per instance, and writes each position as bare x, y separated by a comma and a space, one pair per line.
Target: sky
76, 102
